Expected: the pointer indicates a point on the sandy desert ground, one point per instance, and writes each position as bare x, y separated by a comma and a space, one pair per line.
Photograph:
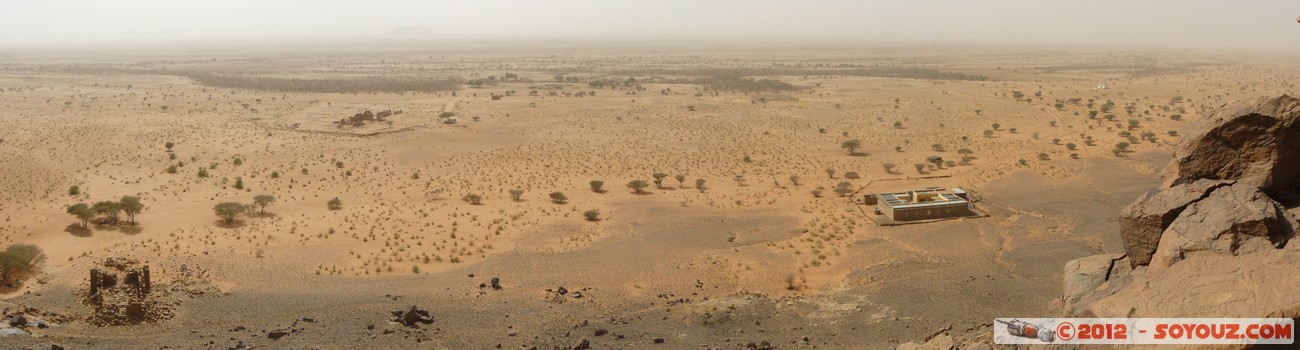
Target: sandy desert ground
749, 257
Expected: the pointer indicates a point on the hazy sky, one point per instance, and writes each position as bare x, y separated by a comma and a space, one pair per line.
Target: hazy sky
1227, 24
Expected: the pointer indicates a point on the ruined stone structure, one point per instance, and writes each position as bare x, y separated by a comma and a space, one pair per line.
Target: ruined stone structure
121, 292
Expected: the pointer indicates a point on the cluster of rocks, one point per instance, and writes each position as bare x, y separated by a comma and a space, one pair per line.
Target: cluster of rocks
560, 294
412, 317
1212, 239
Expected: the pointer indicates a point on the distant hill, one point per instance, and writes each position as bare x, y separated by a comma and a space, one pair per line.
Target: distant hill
411, 32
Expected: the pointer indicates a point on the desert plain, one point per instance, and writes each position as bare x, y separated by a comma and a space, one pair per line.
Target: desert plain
755, 235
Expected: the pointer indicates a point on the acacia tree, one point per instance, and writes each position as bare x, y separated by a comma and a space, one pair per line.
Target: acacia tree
263, 201
516, 194
699, 184
637, 185
18, 261
659, 179
334, 204
82, 212
131, 206
559, 197
229, 210
681, 180
843, 188
596, 185
109, 209
851, 145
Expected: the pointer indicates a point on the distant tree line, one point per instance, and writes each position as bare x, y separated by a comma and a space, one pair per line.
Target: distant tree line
859, 71
349, 85
236, 81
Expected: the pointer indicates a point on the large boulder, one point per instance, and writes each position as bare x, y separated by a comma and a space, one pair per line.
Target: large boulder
1142, 223
1255, 142
1235, 217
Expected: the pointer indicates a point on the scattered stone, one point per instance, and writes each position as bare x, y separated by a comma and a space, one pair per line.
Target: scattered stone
412, 316
276, 334
584, 344
496, 283
601, 332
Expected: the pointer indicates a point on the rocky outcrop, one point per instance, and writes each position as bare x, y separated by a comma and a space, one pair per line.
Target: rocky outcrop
1142, 222
1254, 142
1085, 276
1213, 238
1233, 218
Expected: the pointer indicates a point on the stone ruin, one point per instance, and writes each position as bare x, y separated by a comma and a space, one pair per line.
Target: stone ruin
360, 119
121, 292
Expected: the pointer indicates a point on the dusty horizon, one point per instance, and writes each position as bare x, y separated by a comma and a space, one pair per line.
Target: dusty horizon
1257, 26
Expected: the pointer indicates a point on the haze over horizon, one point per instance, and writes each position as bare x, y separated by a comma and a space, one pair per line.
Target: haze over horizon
1267, 25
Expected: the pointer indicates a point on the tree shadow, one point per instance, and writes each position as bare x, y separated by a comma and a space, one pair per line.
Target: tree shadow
131, 229
262, 215
78, 230
859, 154
642, 193
229, 224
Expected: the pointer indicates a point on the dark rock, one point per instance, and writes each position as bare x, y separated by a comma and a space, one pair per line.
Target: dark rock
412, 316
583, 345
601, 332
276, 334
1254, 142
562, 291
658, 340
496, 283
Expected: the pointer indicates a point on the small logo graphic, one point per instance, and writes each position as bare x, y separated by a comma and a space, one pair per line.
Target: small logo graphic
1028, 330
1172, 331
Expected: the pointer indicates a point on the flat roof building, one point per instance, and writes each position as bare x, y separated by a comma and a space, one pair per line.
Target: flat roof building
923, 204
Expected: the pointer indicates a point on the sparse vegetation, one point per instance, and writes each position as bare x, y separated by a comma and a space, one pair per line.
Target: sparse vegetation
262, 201
228, 211
19, 261
637, 185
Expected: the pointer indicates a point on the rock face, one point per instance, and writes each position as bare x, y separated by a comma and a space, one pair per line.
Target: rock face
1142, 222
1228, 219
1082, 276
1254, 142
1212, 239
